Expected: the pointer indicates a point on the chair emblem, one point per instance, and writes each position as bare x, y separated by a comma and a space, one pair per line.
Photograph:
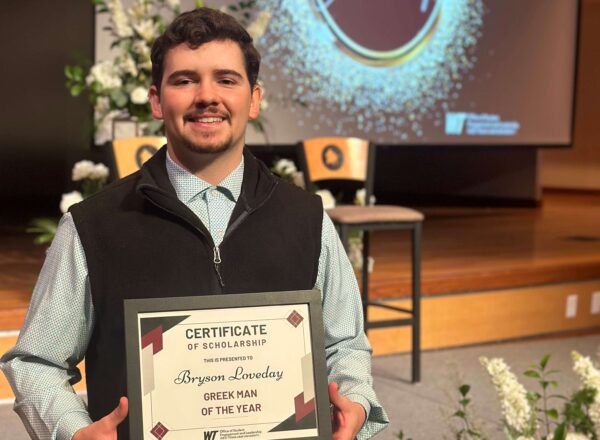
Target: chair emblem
143, 153
332, 157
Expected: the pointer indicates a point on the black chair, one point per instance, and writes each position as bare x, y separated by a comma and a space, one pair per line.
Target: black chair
340, 158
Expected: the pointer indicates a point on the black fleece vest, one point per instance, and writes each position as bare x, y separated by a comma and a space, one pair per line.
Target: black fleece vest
140, 241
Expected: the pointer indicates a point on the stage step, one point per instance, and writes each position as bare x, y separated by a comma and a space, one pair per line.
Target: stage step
490, 316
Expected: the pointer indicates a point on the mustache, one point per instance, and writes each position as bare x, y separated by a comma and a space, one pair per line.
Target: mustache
210, 110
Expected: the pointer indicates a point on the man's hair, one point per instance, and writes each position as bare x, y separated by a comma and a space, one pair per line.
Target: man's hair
201, 26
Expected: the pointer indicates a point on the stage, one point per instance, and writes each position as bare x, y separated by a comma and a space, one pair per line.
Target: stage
488, 274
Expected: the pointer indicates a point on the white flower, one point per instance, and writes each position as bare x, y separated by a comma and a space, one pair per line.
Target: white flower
102, 107
120, 22
359, 197
327, 198
127, 65
590, 376
82, 170
576, 436
284, 167
138, 10
513, 397
70, 199
174, 4
141, 48
99, 172
259, 25
106, 74
146, 29
139, 95
86, 169
584, 367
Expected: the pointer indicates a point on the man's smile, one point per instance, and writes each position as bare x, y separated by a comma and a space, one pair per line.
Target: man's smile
205, 120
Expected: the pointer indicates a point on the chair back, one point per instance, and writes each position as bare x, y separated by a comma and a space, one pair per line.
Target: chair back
337, 158
129, 154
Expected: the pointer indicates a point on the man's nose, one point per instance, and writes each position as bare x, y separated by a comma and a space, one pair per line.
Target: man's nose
206, 94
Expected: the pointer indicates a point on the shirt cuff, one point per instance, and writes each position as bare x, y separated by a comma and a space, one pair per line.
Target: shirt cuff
376, 419
70, 423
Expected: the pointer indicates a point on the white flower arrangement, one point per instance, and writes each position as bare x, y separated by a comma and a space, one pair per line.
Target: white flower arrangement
92, 177
118, 87
521, 408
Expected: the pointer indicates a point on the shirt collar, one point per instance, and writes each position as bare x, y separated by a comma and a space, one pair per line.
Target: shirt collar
188, 186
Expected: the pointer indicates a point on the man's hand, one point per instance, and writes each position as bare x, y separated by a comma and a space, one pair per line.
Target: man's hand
348, 416
106, 427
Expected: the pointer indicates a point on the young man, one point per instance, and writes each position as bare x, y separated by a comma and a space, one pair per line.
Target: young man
201, 217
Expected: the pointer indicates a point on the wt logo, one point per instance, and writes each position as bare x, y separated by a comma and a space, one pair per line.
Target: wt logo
210, 435
455, 123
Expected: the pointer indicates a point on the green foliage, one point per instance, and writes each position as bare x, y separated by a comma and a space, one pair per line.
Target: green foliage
576, 412
546, 415
560, 433
75, 80
466, 431
45, 228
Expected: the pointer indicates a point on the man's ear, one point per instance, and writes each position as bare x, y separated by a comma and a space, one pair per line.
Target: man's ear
153, 96
255, 102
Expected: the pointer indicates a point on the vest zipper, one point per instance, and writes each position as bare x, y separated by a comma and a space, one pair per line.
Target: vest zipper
217, 262
216, 251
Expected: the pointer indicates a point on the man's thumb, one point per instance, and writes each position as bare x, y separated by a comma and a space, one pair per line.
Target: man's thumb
119, 413
334, 396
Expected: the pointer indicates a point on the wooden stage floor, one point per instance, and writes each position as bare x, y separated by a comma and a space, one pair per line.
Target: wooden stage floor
464, 250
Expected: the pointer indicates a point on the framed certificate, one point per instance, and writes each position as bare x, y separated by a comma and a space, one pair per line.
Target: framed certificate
219, 367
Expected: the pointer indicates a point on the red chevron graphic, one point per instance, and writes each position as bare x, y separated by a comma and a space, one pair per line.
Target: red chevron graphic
153, 337
303, 409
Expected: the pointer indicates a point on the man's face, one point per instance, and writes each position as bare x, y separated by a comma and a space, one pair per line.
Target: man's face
205, 98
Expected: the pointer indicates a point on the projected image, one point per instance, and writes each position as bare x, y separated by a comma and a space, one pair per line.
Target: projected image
377, 67
417, 71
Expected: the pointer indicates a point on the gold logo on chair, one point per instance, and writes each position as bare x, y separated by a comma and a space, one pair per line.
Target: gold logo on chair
143, 153
332, 157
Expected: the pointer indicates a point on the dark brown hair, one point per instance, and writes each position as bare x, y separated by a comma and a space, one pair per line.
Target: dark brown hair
201, 26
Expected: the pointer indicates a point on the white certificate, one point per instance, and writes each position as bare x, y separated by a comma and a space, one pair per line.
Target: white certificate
221, 367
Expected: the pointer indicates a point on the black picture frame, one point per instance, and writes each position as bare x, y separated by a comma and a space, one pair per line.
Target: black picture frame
311, 298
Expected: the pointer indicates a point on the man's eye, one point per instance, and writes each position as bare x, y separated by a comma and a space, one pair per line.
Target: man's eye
183, 82
227, 81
